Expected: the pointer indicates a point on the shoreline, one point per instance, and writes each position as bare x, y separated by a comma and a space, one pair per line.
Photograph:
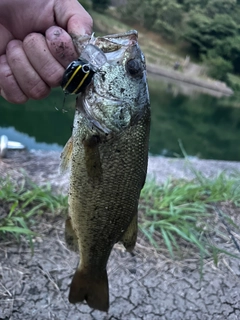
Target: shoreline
208, 84
43, 167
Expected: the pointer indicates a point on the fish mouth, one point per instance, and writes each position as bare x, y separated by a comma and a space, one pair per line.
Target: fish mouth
115, 46
122, 39
113, 50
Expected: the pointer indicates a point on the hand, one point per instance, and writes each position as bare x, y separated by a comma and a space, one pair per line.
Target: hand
35, 45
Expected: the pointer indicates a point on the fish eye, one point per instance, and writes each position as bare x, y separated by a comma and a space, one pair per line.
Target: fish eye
134, 67
86, 68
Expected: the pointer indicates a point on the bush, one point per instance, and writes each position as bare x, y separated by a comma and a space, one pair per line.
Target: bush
218, 67
163, 16
87, 5
100, 5
234, 82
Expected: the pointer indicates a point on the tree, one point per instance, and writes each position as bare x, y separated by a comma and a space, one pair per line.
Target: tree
220, 7
197, 32
212, 27
133, 11
203, 32
195, 5
163, 16
218, 67
169, 17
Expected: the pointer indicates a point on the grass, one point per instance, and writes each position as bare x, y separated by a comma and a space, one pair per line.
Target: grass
176, 211
181, 209
19, 205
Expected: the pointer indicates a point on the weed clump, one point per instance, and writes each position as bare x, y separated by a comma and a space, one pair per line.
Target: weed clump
20, 203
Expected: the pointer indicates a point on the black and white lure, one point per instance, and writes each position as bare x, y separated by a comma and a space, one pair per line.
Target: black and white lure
80, 72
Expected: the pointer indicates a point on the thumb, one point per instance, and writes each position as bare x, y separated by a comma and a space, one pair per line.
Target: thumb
72, 17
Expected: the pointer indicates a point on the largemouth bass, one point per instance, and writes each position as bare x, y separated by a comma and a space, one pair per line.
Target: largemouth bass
107, 155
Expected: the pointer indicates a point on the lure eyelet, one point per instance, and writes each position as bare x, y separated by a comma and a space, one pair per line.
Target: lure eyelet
86, 68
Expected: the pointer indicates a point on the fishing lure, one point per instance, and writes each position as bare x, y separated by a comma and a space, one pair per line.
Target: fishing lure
80, 72
77, 76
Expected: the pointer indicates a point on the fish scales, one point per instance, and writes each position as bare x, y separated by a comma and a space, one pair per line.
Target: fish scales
108, 154
113, 199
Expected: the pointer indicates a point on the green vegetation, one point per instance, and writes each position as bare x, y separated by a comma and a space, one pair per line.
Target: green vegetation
211, 27
185, 210
21, 203
100, 5
163, 16
156, 49
176, 211
209, 30
97, 5
86, 4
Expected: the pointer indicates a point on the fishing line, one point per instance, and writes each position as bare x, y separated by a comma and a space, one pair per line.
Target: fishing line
64, 100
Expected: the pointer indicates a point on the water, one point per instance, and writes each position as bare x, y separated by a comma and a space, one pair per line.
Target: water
206, 128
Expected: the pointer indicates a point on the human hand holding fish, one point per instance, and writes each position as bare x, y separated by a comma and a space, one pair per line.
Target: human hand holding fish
35, 45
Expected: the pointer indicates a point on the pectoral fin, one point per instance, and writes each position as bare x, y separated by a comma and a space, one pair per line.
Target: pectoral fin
66, 156
70, 236
92, 157
129, 237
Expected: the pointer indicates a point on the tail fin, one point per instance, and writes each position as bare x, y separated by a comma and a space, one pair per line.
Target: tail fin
86, 286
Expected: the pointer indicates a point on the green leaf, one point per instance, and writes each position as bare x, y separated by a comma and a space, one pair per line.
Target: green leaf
16, 230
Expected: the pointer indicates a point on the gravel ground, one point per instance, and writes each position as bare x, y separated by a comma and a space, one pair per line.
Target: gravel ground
144, 285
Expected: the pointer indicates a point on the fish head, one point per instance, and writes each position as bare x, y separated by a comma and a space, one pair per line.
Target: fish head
118, 93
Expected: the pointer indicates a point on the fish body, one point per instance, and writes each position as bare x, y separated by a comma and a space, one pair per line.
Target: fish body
107, 155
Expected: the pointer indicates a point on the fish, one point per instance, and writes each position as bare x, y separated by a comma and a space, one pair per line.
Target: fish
107, 156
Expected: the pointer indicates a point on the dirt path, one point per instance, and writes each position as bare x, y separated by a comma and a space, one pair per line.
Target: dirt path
144, 285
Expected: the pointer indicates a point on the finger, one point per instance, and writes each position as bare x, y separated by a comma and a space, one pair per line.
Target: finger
9, 88
27, 78
6, 36
61, 46
42, 60
71, 16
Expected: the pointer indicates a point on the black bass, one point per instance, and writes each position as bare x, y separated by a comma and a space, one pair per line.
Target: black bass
107, 155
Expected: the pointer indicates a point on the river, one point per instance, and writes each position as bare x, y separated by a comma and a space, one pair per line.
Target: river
207, 127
